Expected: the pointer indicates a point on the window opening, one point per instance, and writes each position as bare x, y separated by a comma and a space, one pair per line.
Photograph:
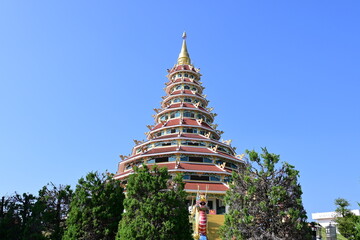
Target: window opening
162, 159
213, 178
195, 159
199, 178
172, 130
164, 117
175, 114
200, 116
189, 114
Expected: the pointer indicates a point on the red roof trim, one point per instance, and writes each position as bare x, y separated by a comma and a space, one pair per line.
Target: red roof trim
218, 187
186, 121
184, 91
206, 152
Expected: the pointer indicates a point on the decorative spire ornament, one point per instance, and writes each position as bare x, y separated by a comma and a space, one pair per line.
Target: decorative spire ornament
184, 57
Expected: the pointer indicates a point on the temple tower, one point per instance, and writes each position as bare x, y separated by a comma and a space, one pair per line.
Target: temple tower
185, 139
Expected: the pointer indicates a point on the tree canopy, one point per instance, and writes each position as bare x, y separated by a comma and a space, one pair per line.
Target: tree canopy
348, 223
265, 201
54, 203
155, 206
33, 217
17, 220
96, 208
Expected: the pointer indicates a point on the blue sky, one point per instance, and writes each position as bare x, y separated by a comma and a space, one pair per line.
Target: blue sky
79, 80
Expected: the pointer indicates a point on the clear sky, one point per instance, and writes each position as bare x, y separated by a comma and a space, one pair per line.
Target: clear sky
79, 80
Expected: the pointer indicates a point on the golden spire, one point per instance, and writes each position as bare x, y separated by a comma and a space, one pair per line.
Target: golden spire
184, 57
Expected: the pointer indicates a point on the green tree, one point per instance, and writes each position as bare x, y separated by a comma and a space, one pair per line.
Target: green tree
95, 209
19, 218
25, 205
37, 218
10, 221
54, 203
342, 207
348, 223
34, 226
265, 201
155, 206
30, 214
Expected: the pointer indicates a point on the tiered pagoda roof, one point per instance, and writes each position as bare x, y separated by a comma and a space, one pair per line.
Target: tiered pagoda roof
184, 138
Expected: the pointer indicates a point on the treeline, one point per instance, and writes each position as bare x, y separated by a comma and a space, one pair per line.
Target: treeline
264, 202
155, 208
26, 216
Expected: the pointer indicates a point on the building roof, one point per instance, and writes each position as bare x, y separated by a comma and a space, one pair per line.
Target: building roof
185, 105
178, 92
200, 167
210, 187
182, 135
330, 215
193, 167
178, 121
184, 167
183, 67
183, 80
168, 150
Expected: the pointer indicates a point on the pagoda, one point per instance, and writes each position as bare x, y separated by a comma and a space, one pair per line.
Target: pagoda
185, 139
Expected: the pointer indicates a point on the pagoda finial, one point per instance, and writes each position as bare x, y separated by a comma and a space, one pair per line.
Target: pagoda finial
184, 57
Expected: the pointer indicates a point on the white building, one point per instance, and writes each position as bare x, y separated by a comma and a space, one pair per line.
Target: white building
325, 218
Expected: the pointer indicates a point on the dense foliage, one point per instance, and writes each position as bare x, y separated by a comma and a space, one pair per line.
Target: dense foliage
348, 223
155, 207
265, 201
29, 217
54, 202
16, 218
96, 208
